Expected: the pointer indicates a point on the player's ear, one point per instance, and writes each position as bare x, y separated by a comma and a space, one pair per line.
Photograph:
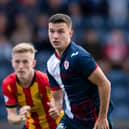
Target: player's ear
12, 63
71, 32
34, 63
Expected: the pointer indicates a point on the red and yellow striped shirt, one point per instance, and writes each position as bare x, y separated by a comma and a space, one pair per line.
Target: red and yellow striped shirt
37, 96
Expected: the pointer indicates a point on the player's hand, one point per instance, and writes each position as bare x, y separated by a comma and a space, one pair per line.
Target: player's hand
23, 112
53, 111
101, 124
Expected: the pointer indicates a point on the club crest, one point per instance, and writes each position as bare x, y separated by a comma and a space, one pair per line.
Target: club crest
66, 64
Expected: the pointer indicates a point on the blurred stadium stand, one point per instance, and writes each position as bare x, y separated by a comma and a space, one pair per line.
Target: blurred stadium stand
108, 22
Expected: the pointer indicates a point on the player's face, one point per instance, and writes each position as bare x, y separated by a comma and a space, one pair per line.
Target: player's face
23, 64
59, 35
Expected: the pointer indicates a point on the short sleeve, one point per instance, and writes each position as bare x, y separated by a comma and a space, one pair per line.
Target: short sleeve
85, 64
52, 82
9, 97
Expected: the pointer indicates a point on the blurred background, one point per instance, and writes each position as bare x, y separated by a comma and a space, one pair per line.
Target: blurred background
101, 27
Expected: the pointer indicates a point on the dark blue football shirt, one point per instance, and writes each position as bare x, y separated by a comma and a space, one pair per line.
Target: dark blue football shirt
70, 72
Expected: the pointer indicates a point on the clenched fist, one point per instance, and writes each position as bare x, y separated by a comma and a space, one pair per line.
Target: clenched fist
23, 112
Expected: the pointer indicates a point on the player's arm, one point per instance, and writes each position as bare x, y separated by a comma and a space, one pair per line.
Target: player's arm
104, 88
58, 98
10, 102
56, 103
15, 118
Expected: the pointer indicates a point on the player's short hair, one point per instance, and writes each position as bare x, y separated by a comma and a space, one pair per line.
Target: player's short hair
24, 47
60, 18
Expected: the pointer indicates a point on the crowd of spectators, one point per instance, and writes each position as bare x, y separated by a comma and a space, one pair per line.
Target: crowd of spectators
101, 27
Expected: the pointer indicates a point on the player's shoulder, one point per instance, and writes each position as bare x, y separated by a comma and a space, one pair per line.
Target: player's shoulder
11, 78
41, 78
52, 58
52, 61
77, 50
40, 74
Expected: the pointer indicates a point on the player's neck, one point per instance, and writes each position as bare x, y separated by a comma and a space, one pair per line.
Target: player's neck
60, 51
26, 82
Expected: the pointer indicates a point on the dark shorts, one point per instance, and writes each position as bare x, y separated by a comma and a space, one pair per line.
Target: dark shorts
67, 123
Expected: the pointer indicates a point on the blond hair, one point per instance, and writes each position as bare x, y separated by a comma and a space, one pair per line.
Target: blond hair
24, 47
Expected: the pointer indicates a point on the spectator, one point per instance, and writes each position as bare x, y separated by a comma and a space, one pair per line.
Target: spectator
116, 50
40, 35
22, 31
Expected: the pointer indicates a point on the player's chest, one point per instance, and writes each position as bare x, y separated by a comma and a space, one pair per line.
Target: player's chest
29, 96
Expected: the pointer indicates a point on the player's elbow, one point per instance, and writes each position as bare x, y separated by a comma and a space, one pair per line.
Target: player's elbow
108, 85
